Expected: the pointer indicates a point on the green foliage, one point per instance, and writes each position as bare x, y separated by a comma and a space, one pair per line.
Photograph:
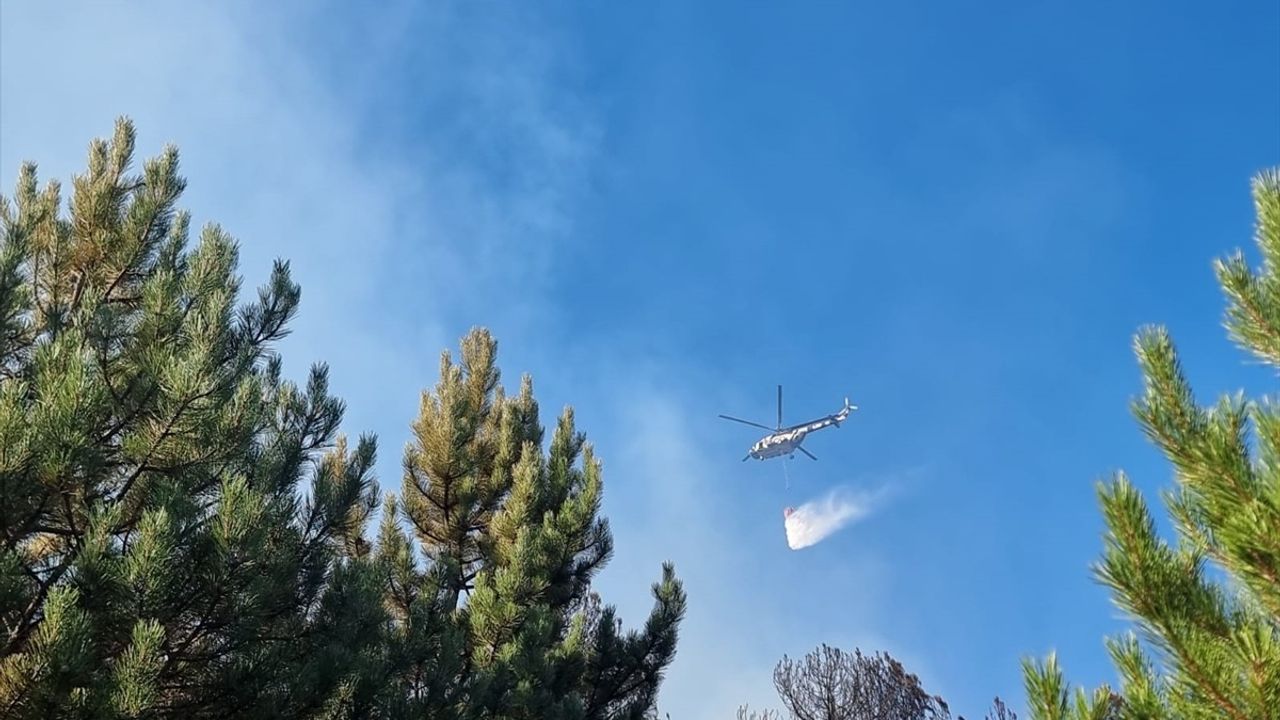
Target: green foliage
1203, 648
514, 539
154, 554
158, 557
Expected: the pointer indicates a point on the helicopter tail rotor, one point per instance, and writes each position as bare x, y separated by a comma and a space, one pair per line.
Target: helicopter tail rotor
844, 413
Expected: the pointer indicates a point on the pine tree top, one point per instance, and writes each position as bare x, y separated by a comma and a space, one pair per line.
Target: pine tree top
1203, 647
183, 532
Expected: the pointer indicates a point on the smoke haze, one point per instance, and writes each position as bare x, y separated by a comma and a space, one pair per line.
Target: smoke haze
817, 519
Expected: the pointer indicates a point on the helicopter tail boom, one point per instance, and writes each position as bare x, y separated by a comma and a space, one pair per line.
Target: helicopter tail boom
843, 415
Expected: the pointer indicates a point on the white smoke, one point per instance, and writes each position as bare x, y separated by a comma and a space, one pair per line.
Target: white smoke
817, 519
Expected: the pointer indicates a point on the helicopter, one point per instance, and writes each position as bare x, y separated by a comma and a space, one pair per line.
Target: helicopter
787, 440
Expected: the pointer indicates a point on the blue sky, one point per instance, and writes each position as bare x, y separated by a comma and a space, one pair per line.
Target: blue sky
663, 210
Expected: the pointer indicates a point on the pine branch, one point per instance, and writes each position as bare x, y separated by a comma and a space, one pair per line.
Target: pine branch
1220, 642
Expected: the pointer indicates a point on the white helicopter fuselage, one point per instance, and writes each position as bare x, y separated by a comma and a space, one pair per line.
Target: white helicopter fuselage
785, 442
778, 444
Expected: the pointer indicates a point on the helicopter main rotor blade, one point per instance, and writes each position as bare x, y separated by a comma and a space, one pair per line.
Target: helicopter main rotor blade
779, 407
747, 422
806, 452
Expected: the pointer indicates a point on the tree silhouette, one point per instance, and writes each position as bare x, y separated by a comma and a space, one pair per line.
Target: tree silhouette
831, 684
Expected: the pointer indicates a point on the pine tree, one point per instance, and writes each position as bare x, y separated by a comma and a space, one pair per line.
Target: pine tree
1212, 647
160, 556
501, 621
156, 557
